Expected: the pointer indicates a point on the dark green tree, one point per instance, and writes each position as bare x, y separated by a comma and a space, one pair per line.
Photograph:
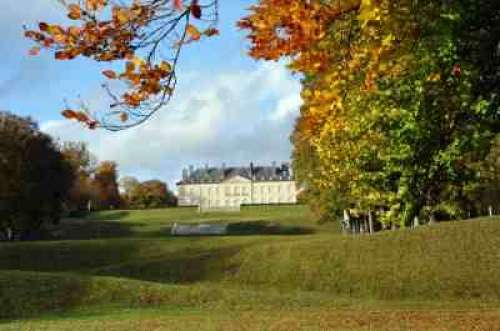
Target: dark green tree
34, 178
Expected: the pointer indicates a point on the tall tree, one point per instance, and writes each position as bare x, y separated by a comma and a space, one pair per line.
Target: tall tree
127, 185
34, 178
106, 185
83, 164
149, 194
392, 99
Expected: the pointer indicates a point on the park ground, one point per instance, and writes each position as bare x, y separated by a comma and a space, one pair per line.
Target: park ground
277, 270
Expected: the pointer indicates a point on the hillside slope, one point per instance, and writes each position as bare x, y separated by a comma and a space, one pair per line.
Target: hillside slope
454, 264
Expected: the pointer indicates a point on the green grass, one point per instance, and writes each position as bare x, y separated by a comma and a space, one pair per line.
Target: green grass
124, 266
156, 223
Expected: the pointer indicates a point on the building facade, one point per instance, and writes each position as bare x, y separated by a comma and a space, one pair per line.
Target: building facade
229, 188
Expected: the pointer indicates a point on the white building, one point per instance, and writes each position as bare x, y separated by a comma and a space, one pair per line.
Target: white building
229, 188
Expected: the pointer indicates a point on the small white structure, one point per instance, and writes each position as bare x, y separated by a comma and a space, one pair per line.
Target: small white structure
198, 229
229, 188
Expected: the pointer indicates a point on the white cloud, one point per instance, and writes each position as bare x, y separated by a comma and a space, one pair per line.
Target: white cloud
236, 117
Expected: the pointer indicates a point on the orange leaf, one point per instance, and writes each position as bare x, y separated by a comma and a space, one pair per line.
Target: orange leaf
211, 32
34, 51
75, 12
165, 66
123, 117
62, 56
95, 4
109, 73
69, 114
193, 32
82, 117
177, 4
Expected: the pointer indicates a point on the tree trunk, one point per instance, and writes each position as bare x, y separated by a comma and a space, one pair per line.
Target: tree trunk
346, 223
490, 210
432, 219
370, 221
416, 223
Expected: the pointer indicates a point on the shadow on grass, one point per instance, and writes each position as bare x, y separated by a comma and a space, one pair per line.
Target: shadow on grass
247, 228
109, 215
265, 228
66, 256
28, 294
80, 229
31, 295
187, 267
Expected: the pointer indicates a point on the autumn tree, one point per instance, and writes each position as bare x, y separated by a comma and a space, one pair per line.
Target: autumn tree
148, 194
144, 37
34, 178
82, 164
393, 103
106, 186
483, 195
127, 186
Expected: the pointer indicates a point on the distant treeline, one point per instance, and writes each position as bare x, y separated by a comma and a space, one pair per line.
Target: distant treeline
42, 180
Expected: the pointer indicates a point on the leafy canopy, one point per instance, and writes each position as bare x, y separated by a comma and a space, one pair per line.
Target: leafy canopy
145, 37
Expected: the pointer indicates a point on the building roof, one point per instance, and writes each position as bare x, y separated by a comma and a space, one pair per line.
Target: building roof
215, 175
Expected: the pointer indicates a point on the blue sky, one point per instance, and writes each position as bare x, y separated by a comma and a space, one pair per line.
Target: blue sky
227, 107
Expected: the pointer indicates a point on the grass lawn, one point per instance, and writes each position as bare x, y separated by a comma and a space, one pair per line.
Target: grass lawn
121, 270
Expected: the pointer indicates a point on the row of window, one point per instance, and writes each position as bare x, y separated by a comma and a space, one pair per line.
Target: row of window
237, 202
236, 190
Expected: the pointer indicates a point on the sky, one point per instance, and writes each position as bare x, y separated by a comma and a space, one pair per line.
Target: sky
227, 107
